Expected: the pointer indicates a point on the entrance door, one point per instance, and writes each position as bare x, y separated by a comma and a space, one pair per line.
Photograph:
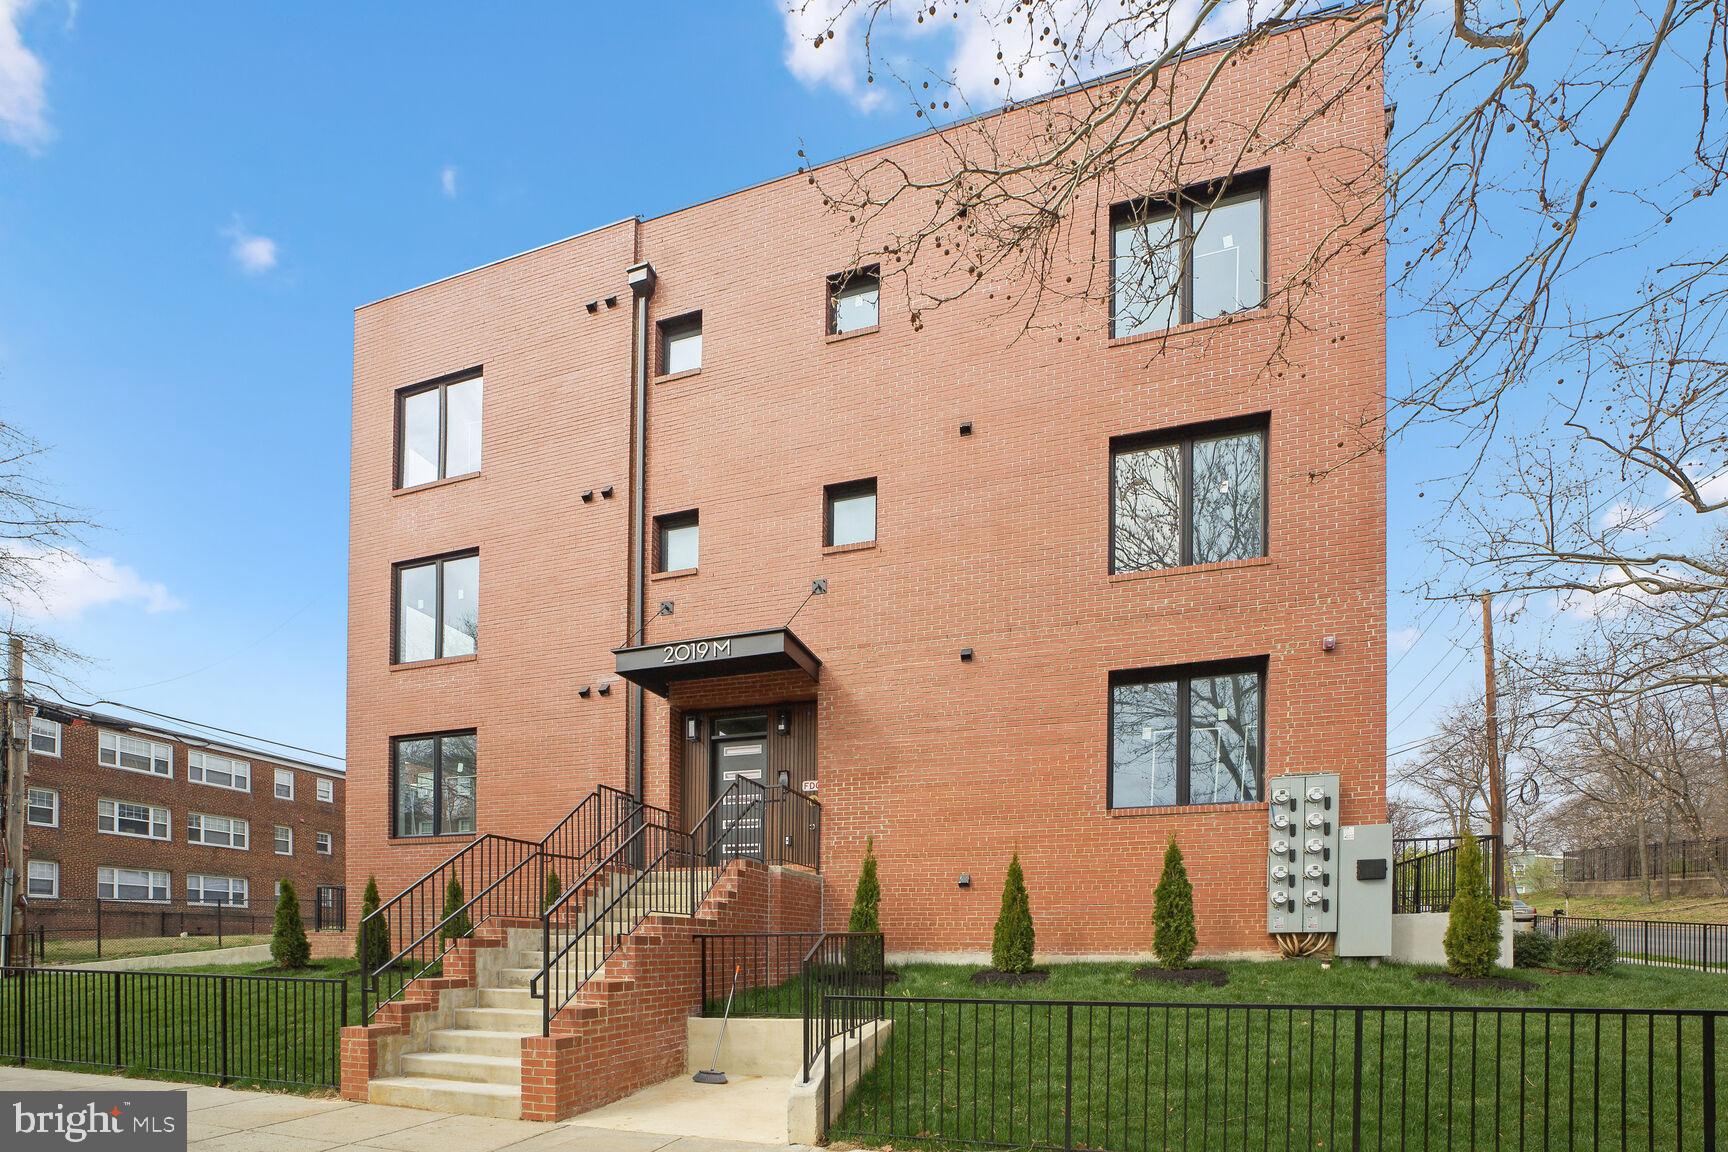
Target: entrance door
739, 751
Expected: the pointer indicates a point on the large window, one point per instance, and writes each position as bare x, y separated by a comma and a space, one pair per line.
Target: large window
434, 785
217, 831
43, 880
1187, 736
45, 737
437, 608
1189, 257
853, 299
1194, 499
124, 818
681, 344
438, 431
118, 750
677, 542
42, 807
141, 885
849, 513
218, 771
229, 890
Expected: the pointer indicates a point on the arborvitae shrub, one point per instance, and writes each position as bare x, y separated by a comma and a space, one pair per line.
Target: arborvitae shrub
1012, 945
554, 889
867, 898
1173, 912
1473, 926
372, 941
288, 944
454, 918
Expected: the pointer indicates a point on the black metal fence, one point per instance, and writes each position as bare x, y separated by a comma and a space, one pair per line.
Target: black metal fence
259, 1029
1425, 871
65, 931
1680, 859
1133, 1077
1664, 943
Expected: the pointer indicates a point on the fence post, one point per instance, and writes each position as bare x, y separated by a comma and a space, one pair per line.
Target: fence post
222, 991
1356, 1089
23, 1017
1068, 1086
218, 925
118, 1061
98, 927
1709, 1082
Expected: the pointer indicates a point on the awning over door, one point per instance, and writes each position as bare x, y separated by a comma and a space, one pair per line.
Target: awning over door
658, 666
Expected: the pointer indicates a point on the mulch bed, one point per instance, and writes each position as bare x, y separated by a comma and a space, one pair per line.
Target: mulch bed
1216, 977
1010, 979
1484, 984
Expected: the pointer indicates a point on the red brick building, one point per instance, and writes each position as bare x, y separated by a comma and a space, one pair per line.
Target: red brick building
164, 827
1081, 595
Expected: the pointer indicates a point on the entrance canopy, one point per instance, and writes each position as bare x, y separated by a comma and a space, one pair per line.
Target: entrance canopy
656, 667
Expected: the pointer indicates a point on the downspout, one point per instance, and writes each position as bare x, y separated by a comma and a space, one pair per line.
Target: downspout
641, 279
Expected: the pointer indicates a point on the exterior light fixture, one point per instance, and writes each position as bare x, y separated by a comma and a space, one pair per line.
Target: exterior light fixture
588, 496
593, 305
606, 492
966, 655
785, 780
690, 730
605, 688
965, 880
584, 691
965, 427
1328, 643
611, 301
783, 725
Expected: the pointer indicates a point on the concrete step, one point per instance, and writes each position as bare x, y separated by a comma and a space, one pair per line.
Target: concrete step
520, 1021
468, 1067
463, 1097
517, 977
508, 998
476, 1042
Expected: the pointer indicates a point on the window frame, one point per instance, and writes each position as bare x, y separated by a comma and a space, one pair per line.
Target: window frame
29, 866
1183, 438
850, 489
276, 839
838, 282
324, 843
118, 736
1183, 675
59, 737
324, 789
437, 739
114, 819
441, 384
276, 784
1181, 205
199, 902
53, 792
671, 521
195, 831
674, 326
114, 871
195, 763
436, 563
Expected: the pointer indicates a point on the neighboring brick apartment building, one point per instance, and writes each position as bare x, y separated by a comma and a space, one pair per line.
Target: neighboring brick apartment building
151, 819
1082, 595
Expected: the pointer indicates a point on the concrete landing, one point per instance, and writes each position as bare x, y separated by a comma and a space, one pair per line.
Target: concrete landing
747, 1108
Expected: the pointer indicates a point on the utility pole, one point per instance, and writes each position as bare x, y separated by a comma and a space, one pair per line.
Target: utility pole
1496, 787
17, 752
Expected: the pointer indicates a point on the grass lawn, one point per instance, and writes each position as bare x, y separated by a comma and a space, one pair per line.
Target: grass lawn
1692, 909
65, 951
280, 1034
1198, 1069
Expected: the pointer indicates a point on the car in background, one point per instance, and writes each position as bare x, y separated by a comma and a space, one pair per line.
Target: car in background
1522, 913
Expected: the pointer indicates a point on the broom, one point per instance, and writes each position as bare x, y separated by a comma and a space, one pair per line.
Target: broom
714, 1075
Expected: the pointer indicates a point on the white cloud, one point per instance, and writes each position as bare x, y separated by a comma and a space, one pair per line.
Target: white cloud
253, 254
1625, 515
72, 585
839, 63
1404, 639
23, 82
447, 180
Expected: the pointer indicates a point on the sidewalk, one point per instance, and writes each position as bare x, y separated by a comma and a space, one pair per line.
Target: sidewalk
229, 1120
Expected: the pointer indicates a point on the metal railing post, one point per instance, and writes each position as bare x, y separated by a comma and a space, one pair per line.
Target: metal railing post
1356, 1089
119, 1061
98, 927
222, 991
1709, 1082
1068, 1086
23, 1017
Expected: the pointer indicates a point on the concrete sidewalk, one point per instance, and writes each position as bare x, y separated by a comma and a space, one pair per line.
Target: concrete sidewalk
229, 1120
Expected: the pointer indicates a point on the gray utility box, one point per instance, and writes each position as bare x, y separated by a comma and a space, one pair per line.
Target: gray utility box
1302, 853
1365, 891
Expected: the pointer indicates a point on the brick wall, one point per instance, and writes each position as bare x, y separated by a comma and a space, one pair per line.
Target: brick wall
997, 541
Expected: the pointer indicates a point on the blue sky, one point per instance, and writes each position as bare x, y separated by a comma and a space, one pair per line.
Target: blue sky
192, 206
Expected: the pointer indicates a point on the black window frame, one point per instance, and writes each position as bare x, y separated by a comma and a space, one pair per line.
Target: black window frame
671, 521
675, 326
845, 490
1182, 204
838, 281
442, 385
396, 571
437, 739
1183, 675
1184, 438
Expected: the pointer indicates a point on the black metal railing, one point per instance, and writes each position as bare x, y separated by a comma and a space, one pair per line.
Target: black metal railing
1137, 1077
794, 834
653, 868
1425, 871
258, 1029
851, 965
1678, 859
1662, 943
74, 931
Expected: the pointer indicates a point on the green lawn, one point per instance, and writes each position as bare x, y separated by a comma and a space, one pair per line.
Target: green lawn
68, 951
1201, 1070
1691, 909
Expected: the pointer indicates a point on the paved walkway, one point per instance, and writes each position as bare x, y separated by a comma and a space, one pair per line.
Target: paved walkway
230, 1120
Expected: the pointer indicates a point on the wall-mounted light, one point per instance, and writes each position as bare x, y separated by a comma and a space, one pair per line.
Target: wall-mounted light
666, 607
1328, 643
785, 778
593, 305
588, 496
783, 721
965, 427
691, 732
965, 880
966, 655
605, 688
611, 301
606, 492
584, 691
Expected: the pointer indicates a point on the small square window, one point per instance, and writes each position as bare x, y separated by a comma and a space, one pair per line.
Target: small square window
676, 542
284, 840
42, 807
850, 513
681, 344
324, 843
852, 300
284, 784
43, 880
326, 791
45, 737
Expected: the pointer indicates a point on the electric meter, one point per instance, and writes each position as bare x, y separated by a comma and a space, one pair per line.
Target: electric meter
1303, 835
1316, 794
1279, 820
1281, 873
1280, 847
1281, 796
1315, 819
1312, 896
1279, 899
1312, 871
1315, 846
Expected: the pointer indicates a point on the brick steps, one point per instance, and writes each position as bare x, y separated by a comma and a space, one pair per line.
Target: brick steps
464, 1097
468, 1067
